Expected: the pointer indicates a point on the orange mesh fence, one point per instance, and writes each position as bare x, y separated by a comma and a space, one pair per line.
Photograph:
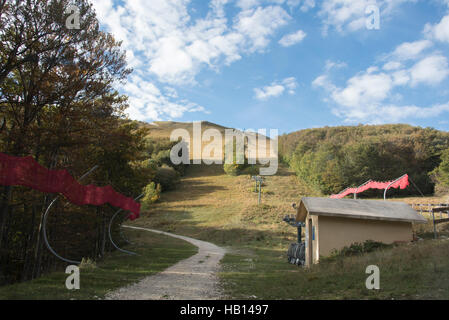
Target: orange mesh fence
28, 172
401, 184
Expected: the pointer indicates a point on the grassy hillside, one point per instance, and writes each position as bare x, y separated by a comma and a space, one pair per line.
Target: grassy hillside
155, 253
331, 159
212, 206
162, 130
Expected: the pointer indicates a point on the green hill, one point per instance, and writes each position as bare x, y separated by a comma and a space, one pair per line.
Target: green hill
212, 206
331, 159
162, 130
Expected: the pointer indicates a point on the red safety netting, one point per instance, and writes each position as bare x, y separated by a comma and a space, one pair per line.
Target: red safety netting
28, 172
401, 183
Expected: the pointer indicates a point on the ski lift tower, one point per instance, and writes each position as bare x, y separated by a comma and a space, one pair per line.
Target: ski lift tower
259, 180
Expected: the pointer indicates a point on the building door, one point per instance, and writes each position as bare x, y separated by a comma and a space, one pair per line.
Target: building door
310, 242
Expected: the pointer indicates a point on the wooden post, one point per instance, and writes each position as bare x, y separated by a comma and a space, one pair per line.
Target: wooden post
5, 201
434, 225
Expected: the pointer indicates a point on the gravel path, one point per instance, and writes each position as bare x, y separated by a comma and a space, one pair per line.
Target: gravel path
190, 279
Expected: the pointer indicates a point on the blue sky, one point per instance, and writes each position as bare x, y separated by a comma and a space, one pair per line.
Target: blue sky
284, 64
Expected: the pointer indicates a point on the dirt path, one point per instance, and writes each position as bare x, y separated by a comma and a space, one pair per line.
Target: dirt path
190, 279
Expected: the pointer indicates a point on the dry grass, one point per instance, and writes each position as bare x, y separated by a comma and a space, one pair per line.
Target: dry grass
155, 253
215, 207
211, 206
164, 129
415, 271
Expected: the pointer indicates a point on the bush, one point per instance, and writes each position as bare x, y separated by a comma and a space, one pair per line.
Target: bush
167, 177
441, 174
251, 170
357, 249
162, 158
87, 264
232, 169
152, 194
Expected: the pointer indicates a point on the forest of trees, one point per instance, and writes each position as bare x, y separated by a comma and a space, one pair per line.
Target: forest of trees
331, 159
441, 174
58, 104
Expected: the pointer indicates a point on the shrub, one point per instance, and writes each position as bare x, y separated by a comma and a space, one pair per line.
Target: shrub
167, 177
162, 158
251, 170
232, 169
441, 174
356, 249
87, 264
152, 194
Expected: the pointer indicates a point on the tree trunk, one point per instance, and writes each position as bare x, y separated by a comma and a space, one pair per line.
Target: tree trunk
29, 243
38, 250
103, 233
6, 199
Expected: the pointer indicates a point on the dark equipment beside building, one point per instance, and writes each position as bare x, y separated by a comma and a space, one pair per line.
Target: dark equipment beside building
296, 253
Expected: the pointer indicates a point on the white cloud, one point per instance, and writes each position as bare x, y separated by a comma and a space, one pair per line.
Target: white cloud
349, 15
171, 61
162, 36
334, 65
167, 47
290, 84
292, 39
248, 4
391, 113
364, 89
411, 50
276, 89
307, 5
431, 70
369, 96
259, 24
401, 77
439, 31
392, 65
148, 102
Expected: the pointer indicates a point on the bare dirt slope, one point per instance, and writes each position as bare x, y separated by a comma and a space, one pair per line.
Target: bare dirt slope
191, 279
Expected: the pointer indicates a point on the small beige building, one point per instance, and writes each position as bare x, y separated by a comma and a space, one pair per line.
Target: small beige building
331, 224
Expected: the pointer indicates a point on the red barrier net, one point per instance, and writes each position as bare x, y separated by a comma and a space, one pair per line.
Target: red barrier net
28, 172
401, 183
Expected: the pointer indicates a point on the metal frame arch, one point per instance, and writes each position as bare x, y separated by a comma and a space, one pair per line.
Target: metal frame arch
386, 189
110, 233
362, 185
44, 231
44, 224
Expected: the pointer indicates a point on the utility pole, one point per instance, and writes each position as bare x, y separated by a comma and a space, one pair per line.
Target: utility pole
259, 181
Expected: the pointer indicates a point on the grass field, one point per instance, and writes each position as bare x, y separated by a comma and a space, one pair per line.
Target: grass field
211, 206
155, 253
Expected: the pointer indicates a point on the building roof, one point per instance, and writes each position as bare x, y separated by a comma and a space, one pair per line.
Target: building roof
359, 209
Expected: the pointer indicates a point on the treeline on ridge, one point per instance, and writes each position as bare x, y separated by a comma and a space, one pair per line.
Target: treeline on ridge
331, 159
